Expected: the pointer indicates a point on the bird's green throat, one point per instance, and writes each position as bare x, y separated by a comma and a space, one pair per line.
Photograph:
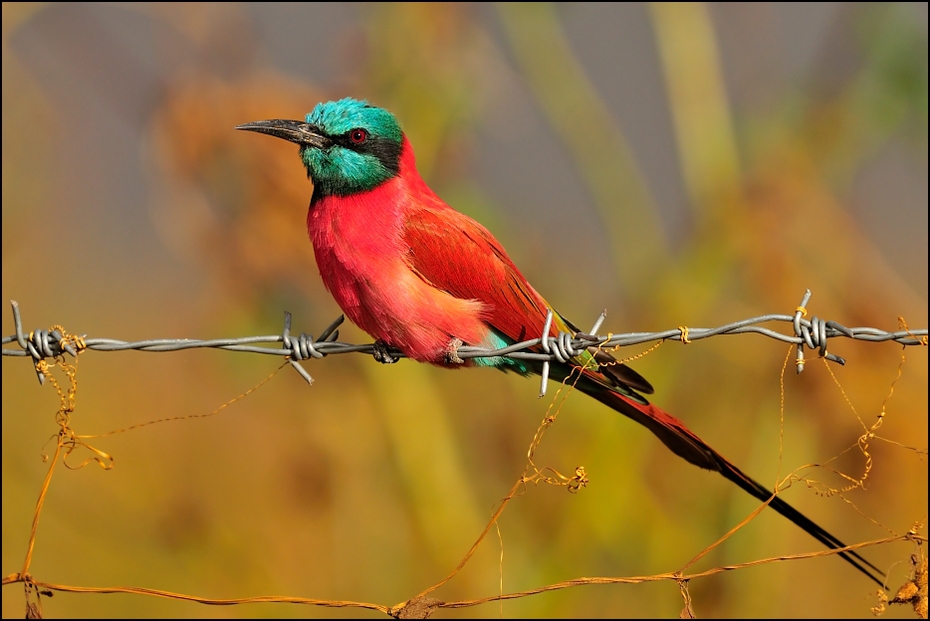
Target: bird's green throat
348, 146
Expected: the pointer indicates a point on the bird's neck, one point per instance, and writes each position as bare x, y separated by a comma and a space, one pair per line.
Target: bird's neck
353, 232
407, 178
374, 216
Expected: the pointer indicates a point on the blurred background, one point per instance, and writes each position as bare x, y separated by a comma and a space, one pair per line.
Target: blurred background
675, 164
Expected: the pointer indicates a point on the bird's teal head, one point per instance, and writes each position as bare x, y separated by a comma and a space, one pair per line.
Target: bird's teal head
348, 146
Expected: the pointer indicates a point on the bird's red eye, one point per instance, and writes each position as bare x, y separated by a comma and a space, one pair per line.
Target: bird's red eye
358, 136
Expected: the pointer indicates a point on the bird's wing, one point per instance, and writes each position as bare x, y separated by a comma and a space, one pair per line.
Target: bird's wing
457, 255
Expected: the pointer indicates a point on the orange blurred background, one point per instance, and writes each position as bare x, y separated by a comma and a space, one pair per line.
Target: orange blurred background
675, 164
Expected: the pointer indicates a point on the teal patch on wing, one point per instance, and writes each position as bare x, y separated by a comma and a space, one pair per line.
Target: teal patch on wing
496, 340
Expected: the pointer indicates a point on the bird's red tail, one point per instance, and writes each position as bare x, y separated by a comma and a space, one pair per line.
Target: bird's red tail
684, 443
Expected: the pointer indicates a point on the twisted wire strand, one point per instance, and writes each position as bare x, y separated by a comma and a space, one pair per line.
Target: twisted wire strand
812, 334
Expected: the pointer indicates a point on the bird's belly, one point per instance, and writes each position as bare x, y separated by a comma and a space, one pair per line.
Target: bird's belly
390, 302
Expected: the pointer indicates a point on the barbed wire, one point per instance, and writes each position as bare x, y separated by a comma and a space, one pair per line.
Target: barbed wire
811, 333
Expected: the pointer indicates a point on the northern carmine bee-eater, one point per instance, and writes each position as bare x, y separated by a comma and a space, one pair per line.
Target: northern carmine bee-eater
425, 279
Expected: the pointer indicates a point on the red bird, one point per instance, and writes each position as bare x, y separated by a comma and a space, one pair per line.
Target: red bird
423, 278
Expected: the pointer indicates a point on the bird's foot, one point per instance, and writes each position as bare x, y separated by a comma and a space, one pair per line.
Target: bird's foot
452, 352
382, 353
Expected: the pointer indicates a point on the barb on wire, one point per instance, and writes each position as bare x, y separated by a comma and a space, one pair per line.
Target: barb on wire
812, 334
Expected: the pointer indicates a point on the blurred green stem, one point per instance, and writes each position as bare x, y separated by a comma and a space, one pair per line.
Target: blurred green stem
698, 100
595, 141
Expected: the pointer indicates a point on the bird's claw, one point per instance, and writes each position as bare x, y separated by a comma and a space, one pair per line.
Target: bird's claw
382, 353
452, 353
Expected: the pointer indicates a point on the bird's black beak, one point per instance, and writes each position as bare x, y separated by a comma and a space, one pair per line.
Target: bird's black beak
292, 131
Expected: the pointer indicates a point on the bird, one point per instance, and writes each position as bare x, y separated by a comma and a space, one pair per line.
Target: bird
425, 279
